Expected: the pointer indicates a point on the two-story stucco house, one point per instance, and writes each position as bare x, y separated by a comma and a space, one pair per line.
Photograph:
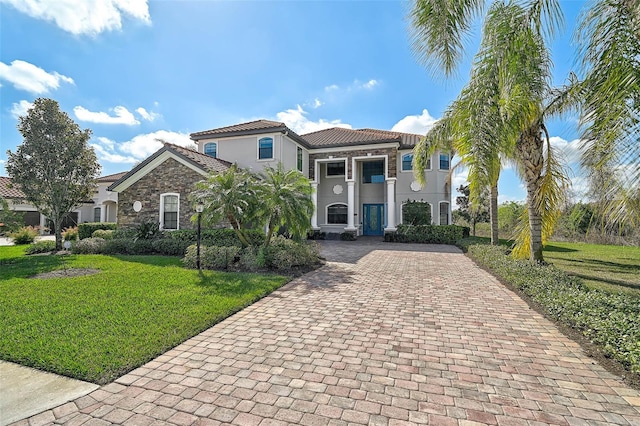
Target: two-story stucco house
361, 178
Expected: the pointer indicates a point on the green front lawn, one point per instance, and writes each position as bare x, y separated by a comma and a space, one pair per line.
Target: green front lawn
610, 268
98, 327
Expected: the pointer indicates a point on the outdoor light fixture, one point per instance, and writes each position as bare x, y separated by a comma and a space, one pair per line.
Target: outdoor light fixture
199, 210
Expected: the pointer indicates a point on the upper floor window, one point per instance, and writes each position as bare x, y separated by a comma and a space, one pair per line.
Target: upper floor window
336, 168
211, 149
444, 161
299, 159
337, 214
407, 162
265, 148
373, 172
169, 209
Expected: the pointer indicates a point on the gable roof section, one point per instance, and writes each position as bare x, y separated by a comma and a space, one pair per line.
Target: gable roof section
9, 191
251, 128
200, 162
407, 140
110, 178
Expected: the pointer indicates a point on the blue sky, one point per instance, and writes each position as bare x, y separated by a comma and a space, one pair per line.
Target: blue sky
137, 71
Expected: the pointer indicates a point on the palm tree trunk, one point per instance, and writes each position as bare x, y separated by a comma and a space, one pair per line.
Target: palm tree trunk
493, 214
530, 147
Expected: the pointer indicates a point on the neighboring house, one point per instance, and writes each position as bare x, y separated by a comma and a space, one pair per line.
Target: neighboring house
101, 208
361, 178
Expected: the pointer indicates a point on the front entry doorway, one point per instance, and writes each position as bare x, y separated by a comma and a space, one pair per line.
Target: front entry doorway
373, 219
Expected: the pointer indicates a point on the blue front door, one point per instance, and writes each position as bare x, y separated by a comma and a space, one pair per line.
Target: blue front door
373, 219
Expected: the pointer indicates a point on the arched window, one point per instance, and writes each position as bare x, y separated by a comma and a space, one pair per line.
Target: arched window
416, 213
211, 149
265, 148
407, 162
337, 214
169, 211
444, 213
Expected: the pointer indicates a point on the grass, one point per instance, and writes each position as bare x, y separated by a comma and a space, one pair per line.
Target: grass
609, 268
614, 269
98, 327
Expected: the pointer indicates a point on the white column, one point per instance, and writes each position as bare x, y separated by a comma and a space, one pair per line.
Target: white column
351, 185
391, 205
43, 223
314, 198
103, 212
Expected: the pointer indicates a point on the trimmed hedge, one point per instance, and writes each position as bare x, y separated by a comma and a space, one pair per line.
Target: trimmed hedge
428, 234
612, 321
224, 237
86, 230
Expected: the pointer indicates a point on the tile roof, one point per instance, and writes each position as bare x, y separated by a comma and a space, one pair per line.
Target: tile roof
110, 178
6, 191
250, 128
338, 136
204, 162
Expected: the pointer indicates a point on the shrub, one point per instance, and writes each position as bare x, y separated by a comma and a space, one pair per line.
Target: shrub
216, 237
41, 247
347, 236
214, 257
284, 254
91, 245
610, 320
147, 230
416, 213
70, 234
124, 233
24, 235
106, 234
317, 235
251, 259
86, 230
169, 247
428, 234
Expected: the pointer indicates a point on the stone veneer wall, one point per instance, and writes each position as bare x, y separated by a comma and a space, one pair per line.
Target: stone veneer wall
170, 176
390, 152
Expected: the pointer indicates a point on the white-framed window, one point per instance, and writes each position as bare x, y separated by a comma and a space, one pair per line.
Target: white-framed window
170, 211
337, 214
211, 149
336, 168
444, 213
265, 148
299, 158
373, 172
96, 214
444, 161
407, 162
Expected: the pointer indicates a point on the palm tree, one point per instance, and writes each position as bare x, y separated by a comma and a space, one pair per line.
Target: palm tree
286, 202
500, 115
232, 196
609, 41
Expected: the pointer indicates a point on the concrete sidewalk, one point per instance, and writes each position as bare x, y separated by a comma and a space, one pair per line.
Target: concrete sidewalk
25, 391
384, 334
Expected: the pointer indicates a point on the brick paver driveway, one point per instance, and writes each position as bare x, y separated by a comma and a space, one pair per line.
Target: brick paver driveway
383, 334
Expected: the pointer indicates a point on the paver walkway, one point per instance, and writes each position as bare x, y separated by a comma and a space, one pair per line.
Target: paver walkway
383, 334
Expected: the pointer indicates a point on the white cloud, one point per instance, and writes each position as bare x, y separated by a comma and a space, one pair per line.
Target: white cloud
146, 144
122, 116
149, 116
297, 121
370, 84
570, 150
317, 103
26, 76
20, 109
139, 147
331, 88
418, 124
82, 16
